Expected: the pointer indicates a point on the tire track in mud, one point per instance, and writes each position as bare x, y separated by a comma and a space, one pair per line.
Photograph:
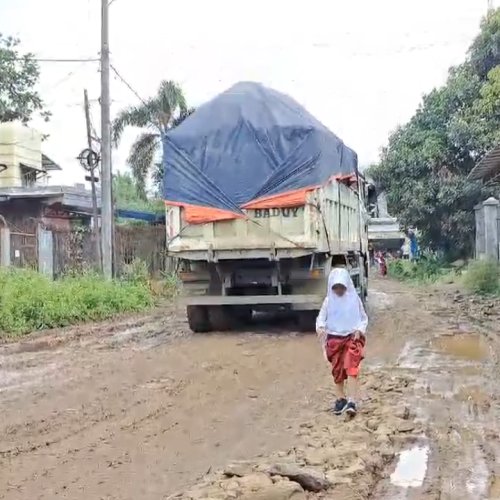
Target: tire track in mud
222, 385
101, 431
101, 419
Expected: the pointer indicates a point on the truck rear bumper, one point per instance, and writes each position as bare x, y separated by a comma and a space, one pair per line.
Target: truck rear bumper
298, 302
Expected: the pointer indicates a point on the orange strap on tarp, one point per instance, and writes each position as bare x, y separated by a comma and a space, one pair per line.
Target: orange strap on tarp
295, 198
196, 214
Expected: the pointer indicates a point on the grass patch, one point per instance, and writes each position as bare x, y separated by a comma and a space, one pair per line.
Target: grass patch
426, 270
166, 286
483, 277
30, 301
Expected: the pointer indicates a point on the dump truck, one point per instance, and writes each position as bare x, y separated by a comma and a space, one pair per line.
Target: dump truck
262, 201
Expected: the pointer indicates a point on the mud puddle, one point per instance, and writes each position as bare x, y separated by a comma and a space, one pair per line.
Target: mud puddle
411, 467
467, 346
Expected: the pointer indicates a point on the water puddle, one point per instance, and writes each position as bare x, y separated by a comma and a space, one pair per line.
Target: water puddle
471, 347
411, 468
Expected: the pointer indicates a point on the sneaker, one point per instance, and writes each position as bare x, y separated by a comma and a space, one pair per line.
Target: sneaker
351, 409
339, 406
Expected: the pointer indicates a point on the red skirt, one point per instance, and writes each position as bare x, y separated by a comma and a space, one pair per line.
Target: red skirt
345, 354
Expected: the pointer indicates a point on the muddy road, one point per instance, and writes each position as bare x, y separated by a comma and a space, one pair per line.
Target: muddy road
140, 408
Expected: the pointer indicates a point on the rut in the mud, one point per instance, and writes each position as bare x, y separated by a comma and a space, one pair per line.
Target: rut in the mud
141, 409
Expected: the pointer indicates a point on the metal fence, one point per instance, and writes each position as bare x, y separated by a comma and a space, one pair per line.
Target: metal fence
66, 251
144, 243
75, 250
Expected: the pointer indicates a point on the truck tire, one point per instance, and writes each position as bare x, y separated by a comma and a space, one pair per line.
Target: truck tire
220, 318
307, 321
198, 319
242, 314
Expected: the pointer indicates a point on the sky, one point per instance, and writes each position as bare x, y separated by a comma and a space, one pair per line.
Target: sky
360, 66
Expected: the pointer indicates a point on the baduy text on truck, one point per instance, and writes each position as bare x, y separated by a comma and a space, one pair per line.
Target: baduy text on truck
262, 200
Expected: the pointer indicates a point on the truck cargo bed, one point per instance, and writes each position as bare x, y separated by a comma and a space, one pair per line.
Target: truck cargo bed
329, 222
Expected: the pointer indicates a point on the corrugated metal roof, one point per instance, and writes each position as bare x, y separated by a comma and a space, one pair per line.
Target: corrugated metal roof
488, 167
67, 195
49, 164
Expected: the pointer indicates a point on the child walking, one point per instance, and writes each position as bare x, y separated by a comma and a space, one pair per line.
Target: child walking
341, 327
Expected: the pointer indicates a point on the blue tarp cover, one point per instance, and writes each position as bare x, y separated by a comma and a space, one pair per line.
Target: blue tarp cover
247, 143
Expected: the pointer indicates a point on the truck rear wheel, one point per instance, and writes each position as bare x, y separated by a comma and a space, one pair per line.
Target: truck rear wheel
242, 314
220, 318
198, 319
307, 321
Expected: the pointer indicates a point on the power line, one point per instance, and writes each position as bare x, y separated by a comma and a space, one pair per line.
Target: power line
127, 84
54, 60
66, 77
314, 45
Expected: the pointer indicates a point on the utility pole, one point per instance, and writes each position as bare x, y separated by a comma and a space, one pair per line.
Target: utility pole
95, 211
106, 179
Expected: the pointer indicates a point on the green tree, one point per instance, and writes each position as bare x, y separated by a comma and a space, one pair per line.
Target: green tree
425, 164
484, 53
476, 128
19, 75
128, 197
157, 115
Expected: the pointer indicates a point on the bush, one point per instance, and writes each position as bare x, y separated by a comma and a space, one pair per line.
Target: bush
136, 272
483, 277
426, 270
30, 301
171, 284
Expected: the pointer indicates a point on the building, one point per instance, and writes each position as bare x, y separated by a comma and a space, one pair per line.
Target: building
56, 207
26, 196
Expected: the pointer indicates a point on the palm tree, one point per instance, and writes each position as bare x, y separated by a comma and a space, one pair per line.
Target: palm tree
166, 110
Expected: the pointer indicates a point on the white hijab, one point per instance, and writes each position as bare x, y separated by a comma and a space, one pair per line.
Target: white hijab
344, 314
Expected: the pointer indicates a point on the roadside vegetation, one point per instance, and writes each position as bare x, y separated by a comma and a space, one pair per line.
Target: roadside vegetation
29, 301
479, 277
426, 270
128, 197
483, 277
